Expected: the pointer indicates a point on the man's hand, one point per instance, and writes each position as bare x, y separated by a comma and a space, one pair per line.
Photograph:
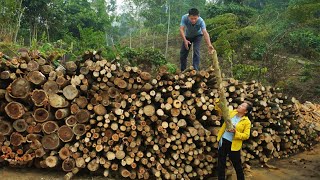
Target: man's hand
211, 49
186, 44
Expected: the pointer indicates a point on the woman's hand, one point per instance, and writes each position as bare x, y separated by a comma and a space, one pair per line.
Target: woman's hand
232, 130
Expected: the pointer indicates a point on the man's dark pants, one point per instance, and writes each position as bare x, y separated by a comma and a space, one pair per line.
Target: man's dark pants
196, 41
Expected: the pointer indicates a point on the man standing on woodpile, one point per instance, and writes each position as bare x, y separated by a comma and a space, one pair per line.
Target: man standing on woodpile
192, 28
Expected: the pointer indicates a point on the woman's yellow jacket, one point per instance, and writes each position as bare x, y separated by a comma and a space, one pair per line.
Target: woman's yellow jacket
242, 131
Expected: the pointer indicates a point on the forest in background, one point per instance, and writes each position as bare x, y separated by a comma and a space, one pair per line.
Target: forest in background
276, 42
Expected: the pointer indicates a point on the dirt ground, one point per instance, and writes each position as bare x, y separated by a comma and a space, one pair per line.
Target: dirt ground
302, 166
305, 165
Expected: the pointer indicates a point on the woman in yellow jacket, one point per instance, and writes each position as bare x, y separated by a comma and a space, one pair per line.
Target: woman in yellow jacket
230, 142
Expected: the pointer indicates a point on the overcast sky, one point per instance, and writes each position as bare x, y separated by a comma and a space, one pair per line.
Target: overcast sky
119, 4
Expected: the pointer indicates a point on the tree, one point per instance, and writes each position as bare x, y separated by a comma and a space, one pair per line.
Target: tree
10, 19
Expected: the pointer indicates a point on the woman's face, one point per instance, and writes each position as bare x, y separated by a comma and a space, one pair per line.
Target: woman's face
242, 108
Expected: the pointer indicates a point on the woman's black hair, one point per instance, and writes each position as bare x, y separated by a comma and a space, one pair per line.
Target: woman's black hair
249, 109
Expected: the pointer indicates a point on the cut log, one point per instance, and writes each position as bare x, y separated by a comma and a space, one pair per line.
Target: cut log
16, 139
68, 164
39, 97
71, 121
79, 129
100, 110
124, 172
120, 154
149, 110
20, 125
50, 127
69, 175
65, 133
5, 127
62, 113
51, 87
50, 141
36, 77
93, 165
70, 92
51, 161
120, 83
81, 101
57, 101
15, 110
20, 88
42, 115
71, 66
82, 116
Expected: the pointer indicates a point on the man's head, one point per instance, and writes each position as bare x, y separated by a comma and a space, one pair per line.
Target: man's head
193, 15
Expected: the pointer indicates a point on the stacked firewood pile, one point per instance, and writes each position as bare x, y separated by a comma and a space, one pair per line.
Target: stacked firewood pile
308, 111
97, 115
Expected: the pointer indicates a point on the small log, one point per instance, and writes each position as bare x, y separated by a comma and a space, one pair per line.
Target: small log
71, 121
93, 165
50, 141
83, 116
51, 161
24, 54
74, 108
42, 115
177, 104
39, 97
33, 66
100, 110
65, 133
120, 154
182, 123
62, 113
36, 77
80, 162
149, 110
16, 139
51, 87
50, 127
175, 112
39, 152
5, 75
106, 173
124, 172
20, 88
81, 101
68, 164
71, 67
120, 83
20, 125
62, 81
15, 110
57, 101
70, 92
110, 155
5, 127
69, 175
79, 129
145, 76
